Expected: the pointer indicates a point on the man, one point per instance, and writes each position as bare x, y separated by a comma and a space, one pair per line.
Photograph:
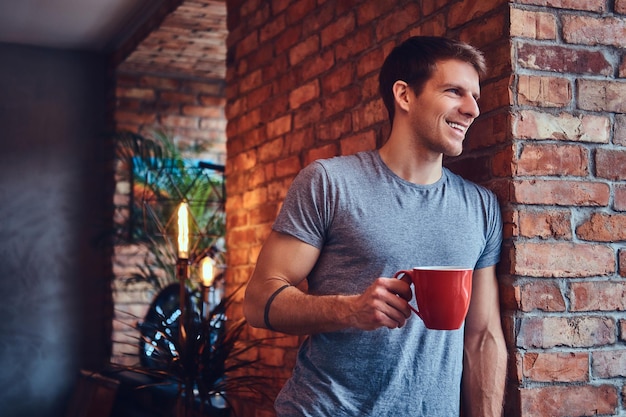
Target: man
349, 223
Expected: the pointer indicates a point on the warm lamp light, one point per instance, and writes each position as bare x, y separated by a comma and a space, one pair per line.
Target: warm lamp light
183, 231
207, 271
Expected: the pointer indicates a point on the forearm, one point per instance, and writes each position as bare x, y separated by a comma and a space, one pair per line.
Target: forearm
484, 375
296, 312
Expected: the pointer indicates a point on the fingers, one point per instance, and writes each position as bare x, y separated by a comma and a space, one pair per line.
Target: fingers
384, 304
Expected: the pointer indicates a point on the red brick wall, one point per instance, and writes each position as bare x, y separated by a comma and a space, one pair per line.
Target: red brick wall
302, 85
565, 284
190, 111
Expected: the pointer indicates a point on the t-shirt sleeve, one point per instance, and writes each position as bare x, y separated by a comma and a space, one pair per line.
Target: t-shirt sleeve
493, 237
304, 213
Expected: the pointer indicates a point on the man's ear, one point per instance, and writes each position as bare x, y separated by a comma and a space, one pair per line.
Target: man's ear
401, 94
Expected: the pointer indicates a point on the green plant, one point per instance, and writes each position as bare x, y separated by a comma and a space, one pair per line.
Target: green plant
160, 178
205, 361
204, 364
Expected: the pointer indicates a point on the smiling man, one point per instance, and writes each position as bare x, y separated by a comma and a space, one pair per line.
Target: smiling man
349, 223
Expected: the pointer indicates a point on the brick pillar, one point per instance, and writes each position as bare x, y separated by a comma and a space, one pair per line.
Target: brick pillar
566, 208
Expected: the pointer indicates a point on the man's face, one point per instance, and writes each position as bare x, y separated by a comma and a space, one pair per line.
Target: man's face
445, 108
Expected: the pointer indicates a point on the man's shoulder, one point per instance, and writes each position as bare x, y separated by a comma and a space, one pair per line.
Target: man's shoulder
345, 165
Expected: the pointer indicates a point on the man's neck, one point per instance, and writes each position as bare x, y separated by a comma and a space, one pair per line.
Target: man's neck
410, 162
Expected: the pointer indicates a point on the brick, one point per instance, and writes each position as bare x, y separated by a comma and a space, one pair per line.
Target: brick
619, 137
272, 28
246, 44
588, 5
341, 101
483, 31
561, 192
304, 49
172, 120
620, 6
176, 97
337, 30
349, 47
556, 160
160, 83
600, 95
587, 30
299, 140
341, 76
463, 12
560, 259
135, 118
356, 143
531, 24
307, 116
619, 202
243, 161
565, 401
372, 10
488, 131
299, 10
622, 264
573, 332
556, 367
540, 295
288, 166
475, 169
326, 151
543, 91
303, 94
203, 111
252, 198
611, 164
335, 128
279, 126
609, 364
272, 150
316, 65
368, 115
391, 24
545, 224
317, 18
494, 95
502, 164
602, 227
287, 39
136, 93
247, 122
529, 124
562, 59
598, 296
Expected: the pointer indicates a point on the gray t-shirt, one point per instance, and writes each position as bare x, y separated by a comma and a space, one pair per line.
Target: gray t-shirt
368, 223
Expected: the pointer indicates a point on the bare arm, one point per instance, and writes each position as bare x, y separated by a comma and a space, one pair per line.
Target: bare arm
287, 260
485, 357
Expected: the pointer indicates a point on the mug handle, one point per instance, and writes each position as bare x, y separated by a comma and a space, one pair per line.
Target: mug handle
398, 275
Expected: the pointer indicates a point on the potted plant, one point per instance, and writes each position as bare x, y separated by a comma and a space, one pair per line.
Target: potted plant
203, 362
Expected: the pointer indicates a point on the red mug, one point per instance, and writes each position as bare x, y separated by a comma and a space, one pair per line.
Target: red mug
442, 293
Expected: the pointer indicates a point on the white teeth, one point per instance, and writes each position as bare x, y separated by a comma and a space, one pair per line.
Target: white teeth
457, 126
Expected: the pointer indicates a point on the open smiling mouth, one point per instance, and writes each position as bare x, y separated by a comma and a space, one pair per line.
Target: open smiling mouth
459, 127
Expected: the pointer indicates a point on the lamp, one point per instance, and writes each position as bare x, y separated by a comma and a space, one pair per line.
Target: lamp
207, 275
208, 271
182, 265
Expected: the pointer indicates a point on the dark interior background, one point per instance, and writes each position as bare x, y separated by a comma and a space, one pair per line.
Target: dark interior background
55, 199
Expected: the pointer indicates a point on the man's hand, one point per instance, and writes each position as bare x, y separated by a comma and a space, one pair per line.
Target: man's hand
384, 303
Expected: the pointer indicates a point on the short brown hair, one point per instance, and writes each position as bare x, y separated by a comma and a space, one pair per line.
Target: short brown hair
414, 61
